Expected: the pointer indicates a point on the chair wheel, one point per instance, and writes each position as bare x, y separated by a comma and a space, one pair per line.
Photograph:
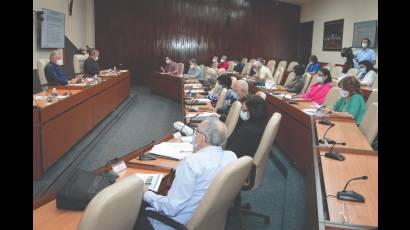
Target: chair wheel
267, 220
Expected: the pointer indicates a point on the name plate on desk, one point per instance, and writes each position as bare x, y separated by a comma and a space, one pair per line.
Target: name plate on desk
119, 167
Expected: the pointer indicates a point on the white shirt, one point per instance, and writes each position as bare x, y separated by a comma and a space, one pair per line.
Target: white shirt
369, 78
264, 73
192, 178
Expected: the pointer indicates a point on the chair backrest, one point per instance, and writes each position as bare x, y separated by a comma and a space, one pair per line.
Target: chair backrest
247, 68
115, 207
180, 68
230, 66
291, 65
332, 96
329, 66
337, 70
271, 65
221, 99
308, 79
282, 64
261, 94
312, 81
244, 60
376, 83
277, 77
232, 117
370, 123
260, 158
233, 79
373, 97
212, 212
335, 82
252, 61
291, 75
352, 72
78, 63
41, 64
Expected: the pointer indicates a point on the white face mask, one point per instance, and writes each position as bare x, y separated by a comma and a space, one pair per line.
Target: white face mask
167, 61
214, 60
363, 69
222, 60
364, 45
319, 79
244, 115
59, 62
96, 58
344, 93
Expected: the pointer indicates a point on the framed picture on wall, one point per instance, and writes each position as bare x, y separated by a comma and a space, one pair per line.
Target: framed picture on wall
333, 35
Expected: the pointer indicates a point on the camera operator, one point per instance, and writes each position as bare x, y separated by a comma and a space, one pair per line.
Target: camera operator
364, 54
347, 53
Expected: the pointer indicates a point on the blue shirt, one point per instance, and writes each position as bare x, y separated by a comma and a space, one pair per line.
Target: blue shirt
55, 74
198, 72
313, 68
361, 55
192, 178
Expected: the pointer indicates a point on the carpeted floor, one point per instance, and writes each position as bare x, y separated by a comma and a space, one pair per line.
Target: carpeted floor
145, 117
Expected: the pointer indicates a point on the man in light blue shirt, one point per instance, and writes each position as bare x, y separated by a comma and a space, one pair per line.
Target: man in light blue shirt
193, 175
195, 70
364, 54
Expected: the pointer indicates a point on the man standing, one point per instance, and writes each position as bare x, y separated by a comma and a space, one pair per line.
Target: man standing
364, 54
91, 66
54, 73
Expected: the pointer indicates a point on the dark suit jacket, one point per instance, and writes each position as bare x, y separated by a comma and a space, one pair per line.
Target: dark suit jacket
91, 67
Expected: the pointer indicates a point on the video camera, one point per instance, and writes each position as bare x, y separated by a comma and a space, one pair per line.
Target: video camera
347, 52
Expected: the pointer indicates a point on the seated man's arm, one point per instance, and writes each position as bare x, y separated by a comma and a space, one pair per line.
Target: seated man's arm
59, 75
178, 195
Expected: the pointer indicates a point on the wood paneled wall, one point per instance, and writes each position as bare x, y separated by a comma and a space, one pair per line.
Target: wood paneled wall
139, 34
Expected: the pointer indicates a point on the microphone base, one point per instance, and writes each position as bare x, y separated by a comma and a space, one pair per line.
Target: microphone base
350, 196
325, 122
329, 141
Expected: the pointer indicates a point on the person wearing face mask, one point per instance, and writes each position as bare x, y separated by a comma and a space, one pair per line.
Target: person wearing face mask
55, 74
368, 73
214, 63
248, 132
365, 53
224, 63
296, 84
318, 91
170, 66
195, 70
91, 66
238, 66
313, 66
193, 176
351, 100
239, 90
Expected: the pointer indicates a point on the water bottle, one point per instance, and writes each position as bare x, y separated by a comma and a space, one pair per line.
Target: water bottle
54, 94
115, 70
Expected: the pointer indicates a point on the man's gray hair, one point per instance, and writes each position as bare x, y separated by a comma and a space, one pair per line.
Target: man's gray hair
242, 84
215, 131
52, 54
257, 64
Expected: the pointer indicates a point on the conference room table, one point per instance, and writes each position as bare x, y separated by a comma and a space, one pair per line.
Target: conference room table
60, 123
297, 138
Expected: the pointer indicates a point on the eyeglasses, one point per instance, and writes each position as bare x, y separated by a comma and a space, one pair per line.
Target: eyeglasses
343, 214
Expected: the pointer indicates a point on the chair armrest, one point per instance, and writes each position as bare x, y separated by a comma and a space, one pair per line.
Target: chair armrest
165, 219
251, 177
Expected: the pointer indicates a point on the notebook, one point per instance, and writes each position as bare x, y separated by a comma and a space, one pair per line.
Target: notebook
151, 181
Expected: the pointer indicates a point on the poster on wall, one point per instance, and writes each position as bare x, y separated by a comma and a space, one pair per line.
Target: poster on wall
333, 35
362, 30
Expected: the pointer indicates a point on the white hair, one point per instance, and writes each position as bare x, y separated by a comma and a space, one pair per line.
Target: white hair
257, 64
242, 84
215, 131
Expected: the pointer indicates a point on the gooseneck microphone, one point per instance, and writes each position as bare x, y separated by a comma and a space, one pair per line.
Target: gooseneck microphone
335, 155
326, 140
324, 121
351, 195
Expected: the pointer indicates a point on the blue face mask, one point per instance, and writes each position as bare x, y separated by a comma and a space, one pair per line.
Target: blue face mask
244, 115
235, 95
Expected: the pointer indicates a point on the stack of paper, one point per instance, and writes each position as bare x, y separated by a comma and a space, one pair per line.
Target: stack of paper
39, 97
151, 181
80, 84
204, 114
173, 150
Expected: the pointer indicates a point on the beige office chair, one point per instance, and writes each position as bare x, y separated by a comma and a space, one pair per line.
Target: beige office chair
230, 66
277, 77
221, 99
246, 68
372, 85
373, 98
329, 66
232, 117
115, 207
271, 65
376, 83
213, 209
244, 60
252, 61
352, 72
180, 68
290, 77
332, 96
78, 63
312, 81
337, 70
291, 65
308, 79
260, 161
41, 64
261, 94
282, 64
233, 79
335, 82
370, 123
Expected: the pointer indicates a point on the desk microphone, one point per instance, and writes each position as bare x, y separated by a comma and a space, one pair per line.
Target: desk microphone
185, 129
326, 121
351, 195
335, 155
324, 139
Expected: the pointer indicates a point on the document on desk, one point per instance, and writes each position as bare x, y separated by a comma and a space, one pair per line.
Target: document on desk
39, 97
151, 181
79, 84
173, 150
194, 91
204, 114
314, 112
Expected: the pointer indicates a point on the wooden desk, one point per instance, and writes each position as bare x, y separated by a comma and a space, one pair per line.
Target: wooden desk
59, 126
167, 85
337, 173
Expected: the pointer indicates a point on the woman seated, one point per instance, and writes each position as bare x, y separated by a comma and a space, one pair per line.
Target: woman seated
248, 133
223, 81
351, 100
313, 66
296, 84
318, 91
368, 73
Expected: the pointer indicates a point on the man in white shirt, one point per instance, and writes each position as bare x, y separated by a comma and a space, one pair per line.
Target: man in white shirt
262, 72
193, 175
